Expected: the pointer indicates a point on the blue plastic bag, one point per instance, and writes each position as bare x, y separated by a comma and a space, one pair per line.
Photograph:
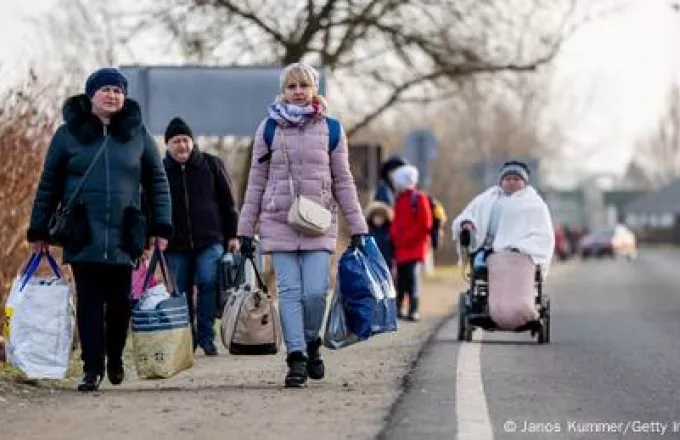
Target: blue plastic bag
379, 266
385, 313
366, 291
358, 292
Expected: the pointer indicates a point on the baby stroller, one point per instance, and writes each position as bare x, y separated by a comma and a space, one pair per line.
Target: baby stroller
473, 306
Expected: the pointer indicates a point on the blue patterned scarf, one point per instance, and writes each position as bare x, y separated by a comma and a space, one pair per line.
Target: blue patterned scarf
291, 115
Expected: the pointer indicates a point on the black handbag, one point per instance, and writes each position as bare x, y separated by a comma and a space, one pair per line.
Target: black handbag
65, 227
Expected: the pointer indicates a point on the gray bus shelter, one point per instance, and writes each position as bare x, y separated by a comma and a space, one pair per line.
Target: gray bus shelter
215, 101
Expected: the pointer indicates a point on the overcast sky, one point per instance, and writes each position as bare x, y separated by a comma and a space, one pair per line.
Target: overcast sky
624, 62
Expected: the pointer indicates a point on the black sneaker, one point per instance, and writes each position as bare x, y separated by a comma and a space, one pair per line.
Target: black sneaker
115, 372
90, 382
315, 366
297, 370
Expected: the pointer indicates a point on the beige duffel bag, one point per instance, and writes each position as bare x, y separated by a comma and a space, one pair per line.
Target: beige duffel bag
250, 321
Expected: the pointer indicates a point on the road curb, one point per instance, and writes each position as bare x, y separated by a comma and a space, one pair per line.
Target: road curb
407, 382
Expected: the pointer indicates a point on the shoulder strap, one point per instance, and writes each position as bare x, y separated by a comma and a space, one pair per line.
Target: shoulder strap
268, 135
269, 132
334, 132
81, 184
414, 201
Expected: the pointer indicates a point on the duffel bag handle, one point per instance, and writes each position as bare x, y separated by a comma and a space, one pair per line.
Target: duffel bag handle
262, 286
258, 276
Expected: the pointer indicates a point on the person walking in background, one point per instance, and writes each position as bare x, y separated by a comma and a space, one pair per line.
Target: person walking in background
205, 218
410, 233
385, 192
106, 231
307, 157
379, 218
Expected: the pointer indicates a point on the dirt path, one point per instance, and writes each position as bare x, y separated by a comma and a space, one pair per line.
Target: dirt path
239, 398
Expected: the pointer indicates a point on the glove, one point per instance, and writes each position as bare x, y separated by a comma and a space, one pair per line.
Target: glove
466, 233
357, 241
247, 247
465, 238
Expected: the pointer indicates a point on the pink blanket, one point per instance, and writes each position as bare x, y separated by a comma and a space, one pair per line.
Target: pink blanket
512, 295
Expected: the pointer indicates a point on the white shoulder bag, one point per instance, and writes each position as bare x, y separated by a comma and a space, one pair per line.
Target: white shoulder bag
305, 215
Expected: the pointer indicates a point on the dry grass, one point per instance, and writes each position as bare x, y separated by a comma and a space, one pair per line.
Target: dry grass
26, 126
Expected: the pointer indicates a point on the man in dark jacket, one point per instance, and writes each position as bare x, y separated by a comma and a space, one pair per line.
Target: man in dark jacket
205, 219
107, 230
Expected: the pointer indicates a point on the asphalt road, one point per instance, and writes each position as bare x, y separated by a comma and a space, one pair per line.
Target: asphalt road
612, 369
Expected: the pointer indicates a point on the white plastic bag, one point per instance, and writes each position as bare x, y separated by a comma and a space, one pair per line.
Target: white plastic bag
13, 300
152, 297
41, 327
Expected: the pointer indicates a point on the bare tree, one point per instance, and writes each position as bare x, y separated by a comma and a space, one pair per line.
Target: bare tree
79, 36
396, 51
26, 124
658, 154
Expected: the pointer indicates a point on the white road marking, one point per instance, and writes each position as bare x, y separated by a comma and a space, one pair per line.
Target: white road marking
472, 413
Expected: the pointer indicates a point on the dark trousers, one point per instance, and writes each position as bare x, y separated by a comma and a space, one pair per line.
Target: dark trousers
103, 312
408, 284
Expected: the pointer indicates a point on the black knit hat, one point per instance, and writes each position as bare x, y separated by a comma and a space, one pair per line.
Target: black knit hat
107, 76
176, 127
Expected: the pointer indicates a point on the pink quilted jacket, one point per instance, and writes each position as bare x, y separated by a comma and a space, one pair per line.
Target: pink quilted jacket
323, 176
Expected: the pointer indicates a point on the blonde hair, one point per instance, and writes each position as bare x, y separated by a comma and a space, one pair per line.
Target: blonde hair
302, 73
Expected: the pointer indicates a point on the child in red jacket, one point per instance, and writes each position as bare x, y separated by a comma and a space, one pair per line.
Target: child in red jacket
410, 233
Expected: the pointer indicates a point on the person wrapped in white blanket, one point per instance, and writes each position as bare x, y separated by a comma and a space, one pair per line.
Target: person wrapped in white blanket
510, 216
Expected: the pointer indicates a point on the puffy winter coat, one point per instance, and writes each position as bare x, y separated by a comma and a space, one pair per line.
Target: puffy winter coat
410, 230
112, 192
318, 173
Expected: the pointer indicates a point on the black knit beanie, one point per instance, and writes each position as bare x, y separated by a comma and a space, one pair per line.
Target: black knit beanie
176, 127
106, 76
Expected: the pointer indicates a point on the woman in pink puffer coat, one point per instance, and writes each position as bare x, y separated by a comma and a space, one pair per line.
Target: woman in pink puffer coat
320, 172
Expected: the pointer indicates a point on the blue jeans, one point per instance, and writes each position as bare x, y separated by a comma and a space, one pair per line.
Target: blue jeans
198, 268
302, 285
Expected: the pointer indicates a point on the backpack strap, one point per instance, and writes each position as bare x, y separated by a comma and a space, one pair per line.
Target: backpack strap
334, 132
268, 135
414, 201
269, 132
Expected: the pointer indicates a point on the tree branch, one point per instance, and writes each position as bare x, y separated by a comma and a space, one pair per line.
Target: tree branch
253, 18
452, 73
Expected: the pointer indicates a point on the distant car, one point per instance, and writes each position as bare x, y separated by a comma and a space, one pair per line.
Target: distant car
609, 241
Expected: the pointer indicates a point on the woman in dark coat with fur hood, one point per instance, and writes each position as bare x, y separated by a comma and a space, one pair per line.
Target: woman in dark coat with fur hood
108, 232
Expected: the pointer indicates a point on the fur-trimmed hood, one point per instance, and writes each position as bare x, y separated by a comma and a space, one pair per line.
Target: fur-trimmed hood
378, 207
87, 127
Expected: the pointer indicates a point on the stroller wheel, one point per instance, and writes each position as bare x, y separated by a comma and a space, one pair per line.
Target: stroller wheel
462, 318
544, 332
468, 333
